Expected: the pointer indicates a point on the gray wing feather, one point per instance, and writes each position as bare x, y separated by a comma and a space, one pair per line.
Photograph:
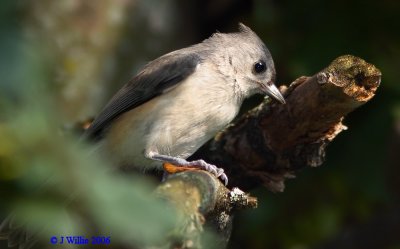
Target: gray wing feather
156, 77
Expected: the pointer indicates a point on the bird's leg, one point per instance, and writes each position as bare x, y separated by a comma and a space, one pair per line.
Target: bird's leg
175, 164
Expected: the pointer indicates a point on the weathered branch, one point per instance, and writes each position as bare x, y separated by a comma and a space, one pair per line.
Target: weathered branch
202, 201
272, 141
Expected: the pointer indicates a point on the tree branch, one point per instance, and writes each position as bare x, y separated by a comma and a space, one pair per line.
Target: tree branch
202, 201
269, 143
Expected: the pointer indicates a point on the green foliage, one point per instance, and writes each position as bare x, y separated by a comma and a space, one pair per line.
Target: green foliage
55, 184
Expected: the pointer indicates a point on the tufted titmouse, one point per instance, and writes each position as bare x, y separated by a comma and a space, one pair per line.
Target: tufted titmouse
182, 99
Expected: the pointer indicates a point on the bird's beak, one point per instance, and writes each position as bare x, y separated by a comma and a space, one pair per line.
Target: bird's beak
272, 91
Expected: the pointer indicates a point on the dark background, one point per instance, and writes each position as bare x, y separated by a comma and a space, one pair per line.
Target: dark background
71, 56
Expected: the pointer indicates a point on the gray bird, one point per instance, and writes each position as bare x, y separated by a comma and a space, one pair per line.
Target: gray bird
180, 100
176, 104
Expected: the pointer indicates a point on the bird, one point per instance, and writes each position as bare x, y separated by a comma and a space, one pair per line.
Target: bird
180, 100
176, 103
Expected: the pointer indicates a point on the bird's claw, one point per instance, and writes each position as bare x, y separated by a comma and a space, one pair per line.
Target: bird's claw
218, 172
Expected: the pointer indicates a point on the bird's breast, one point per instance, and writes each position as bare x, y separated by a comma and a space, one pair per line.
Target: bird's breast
175, 123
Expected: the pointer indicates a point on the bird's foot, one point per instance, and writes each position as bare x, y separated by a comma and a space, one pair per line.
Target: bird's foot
193, 165
173, 165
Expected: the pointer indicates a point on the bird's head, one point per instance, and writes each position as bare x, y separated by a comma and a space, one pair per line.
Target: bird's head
250, 62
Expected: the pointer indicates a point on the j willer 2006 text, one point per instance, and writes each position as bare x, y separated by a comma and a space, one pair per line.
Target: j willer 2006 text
80, 240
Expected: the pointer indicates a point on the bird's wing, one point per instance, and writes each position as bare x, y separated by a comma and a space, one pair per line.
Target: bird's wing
157, 77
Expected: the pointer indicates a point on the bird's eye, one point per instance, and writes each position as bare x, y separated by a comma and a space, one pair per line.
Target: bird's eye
259, 67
